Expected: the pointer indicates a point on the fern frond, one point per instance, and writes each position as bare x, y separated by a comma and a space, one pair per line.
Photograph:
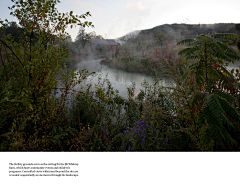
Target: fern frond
221, 43
184, 51
219, 52
192, 57
229, 110
224, 70
194, 43
227, 97
232, 54
227, 35
192, 51
186, 41
202, 38
215, 117
229, 51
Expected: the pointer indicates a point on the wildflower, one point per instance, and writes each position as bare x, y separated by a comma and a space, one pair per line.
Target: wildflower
166, 141
142, 116
143, 120
159, 119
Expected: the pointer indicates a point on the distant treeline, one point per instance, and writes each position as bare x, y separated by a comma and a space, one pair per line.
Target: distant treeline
17, 33
191, 30
82, 40
179, 32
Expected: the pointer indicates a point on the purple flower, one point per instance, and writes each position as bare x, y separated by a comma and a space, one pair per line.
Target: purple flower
144, 138
166, 141
154, 130
159, 119
143, 121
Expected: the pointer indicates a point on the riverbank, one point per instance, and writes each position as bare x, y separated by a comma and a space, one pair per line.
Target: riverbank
146, 62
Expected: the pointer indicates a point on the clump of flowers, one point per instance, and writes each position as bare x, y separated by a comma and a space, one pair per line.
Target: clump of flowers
134, 137
143, 137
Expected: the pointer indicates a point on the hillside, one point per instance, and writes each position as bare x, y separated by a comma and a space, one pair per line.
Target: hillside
183, 31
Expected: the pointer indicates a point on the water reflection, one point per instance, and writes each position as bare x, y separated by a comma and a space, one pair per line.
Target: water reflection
119, 80
231, 66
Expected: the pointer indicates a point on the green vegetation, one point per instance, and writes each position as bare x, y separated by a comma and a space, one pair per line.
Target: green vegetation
161, 37
212, 98
199, 112
30, 117
137, 59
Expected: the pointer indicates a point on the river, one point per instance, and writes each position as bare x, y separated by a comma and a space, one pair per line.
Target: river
119, 79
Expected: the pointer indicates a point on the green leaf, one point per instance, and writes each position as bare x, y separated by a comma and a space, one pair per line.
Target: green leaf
227, 35
186, 41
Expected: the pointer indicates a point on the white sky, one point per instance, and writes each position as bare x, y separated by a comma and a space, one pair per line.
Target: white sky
115, 18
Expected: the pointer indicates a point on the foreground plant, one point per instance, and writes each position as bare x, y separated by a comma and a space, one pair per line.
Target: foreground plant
31, 117
204, 98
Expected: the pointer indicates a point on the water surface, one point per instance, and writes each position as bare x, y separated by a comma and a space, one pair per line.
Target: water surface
119, 79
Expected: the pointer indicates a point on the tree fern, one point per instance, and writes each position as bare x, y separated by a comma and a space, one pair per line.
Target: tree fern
216, 85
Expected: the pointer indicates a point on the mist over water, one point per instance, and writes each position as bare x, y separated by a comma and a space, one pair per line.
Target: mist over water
119, 80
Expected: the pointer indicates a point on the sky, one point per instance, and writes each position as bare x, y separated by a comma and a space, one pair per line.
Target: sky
115, 18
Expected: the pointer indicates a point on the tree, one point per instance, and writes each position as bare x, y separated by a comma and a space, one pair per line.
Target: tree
83, 38
170, 37
237, 27
29, 115
161, 37
14, 30
215, 94
93, 35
